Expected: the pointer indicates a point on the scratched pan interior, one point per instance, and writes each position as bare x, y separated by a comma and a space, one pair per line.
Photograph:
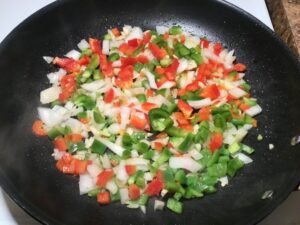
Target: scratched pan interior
27, 171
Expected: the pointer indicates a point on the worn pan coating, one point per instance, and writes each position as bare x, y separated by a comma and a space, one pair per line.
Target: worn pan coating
27, 172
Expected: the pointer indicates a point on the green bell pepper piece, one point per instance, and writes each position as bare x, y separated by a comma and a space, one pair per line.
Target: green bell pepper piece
94, 62
174, 205
98, 147
159, 119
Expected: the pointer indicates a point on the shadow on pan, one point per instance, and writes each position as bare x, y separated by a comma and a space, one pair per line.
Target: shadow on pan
27, 171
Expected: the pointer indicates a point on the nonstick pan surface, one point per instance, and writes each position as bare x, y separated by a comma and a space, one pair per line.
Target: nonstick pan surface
27, 171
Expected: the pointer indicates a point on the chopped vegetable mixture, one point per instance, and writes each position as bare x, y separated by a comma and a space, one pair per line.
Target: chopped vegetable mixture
148, 113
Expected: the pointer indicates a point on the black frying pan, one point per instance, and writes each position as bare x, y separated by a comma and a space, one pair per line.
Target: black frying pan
27, 172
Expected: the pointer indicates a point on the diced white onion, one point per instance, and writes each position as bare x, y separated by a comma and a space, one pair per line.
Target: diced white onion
74, 124
237, 92
105, 161
86, 184
184, 162
161, 29
224, 181
195, 154
136, 161
183, 64
191, 41
254, 110
136, 32
50, 94
158, 100
134, 153
167, 85
148, 176
151, 79
57, 154
51, 117
127, 29
123, 195
105, 47
240, 134
55, 77
94, 86
74, 54
116, 43
229, 58
125, 113
200, 103
93, 169
159, 205
113, 147
48, 59
247, 126
241, 156
112, 187
83, 44
228, 139
143, 209
163, 192
121, 173
114, 128
117, 63
136, 91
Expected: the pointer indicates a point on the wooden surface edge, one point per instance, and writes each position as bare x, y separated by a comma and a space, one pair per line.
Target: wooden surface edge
285, 15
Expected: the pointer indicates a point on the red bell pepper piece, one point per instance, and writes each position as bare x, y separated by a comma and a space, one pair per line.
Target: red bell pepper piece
84, 60
158, 52
185, 108
104, 177
103, 198
74, 138
69, 165
211, 92
187, 127
154, 187
204, 43
130, 169
134, 192
204, 113
180, 118
215, 142
147, 37
68, 64
60, 144
138, 120
217, 48
37, 128
68, 85
192, 86
134, 42
158, 146
95, 46
126, 73
116, 32
172, 69
109, 96
147, 106
127, 49
240, 67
